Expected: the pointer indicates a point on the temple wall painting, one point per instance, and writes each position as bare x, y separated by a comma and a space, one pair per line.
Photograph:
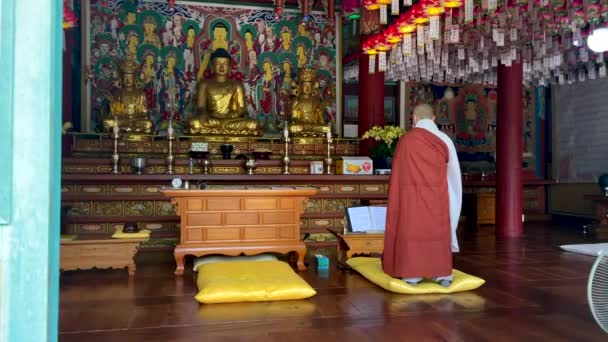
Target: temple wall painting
173, 48
468, 115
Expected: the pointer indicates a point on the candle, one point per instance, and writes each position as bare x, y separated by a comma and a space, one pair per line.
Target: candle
170, 129
115, 129
286, 130
329, 132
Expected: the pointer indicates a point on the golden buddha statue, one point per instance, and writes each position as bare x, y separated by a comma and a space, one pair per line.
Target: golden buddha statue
307, 111
220, 103
128, 104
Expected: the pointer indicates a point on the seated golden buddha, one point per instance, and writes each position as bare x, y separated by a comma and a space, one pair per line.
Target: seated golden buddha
307, 112
128, 104
220, 103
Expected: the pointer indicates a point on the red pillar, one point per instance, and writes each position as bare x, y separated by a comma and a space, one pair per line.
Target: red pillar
371, 100
509, 147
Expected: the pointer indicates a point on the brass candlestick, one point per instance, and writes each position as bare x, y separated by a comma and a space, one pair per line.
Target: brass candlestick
206, 164
115, 156
170, 156
251, 165
286, 156
329, 160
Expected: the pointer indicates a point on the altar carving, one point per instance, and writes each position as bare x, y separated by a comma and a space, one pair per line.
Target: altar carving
220, 103
128, 104
307, 110
174, 51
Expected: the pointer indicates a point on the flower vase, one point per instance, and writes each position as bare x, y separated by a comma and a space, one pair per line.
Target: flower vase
382, 162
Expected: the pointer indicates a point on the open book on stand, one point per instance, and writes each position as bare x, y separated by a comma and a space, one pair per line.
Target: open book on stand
365, 219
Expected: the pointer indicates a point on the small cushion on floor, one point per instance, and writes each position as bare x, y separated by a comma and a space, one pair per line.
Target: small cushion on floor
250, 281
371, 268
593, 249
207, 259
142, 234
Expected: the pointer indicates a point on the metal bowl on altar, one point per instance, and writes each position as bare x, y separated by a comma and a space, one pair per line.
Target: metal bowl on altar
138, 165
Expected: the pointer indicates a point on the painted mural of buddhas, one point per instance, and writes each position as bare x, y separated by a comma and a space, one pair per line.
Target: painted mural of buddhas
324, 59
267, 91
130, 37
168, 36
288, 64
302, 30
191, 31
179, 22
220, 36
285, 31
147, 57
104, 46
302, 48
151, 22
472, 119
327, 93
249, 32
171, 84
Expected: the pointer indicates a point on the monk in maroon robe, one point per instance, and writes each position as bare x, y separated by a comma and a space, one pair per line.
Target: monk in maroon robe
424, 200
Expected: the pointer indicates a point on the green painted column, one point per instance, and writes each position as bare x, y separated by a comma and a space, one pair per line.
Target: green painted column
30, 126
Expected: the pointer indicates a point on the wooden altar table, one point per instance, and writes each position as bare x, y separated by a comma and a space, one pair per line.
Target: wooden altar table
231, 221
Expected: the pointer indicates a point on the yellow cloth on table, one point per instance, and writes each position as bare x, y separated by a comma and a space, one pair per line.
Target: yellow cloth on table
371, 268
250, 281
142, 234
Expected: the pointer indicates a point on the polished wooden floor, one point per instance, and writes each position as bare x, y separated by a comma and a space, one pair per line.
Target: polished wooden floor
534, 292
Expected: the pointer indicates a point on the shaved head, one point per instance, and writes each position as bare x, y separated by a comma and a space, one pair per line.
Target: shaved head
424, 111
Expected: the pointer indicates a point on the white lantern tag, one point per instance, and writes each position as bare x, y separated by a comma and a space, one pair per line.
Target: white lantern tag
455, 34
584, 54
407, 44
468, 11
420, 36
513, 35
485, 65
492, 5
561, 79
372, 64
599, 58
434, 27
394, 7
494, 62
500, 38
383, 15
461, 56
382, 61
602, 71
591, 72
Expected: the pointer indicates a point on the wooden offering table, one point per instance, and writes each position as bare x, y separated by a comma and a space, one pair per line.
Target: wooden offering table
87, 252
353, 244
247, 219
600, 211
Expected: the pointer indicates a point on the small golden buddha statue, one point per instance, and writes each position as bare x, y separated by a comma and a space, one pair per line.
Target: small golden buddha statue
220, 103
307, 111
128, 104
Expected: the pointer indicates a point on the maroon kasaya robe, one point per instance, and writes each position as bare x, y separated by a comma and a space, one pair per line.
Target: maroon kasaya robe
417, 235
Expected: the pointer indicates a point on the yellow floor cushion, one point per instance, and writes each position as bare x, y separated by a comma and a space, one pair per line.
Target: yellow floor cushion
250, 281
371, 268
207, 259
142, 234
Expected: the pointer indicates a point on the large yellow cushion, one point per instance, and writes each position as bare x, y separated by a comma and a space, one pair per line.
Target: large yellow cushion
142, 234
371, 268
250, 281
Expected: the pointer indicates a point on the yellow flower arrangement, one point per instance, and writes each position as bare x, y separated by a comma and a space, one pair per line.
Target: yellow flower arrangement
388, 136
